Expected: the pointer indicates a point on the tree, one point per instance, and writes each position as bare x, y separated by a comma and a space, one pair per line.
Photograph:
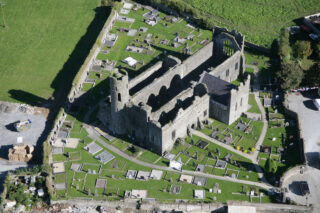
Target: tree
312, 77
271, 166
302, 49
290, 75
284, 46
317, 50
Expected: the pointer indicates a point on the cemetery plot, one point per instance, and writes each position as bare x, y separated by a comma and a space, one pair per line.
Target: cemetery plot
104, 157
91, 168
77, 167
243, 133
93, 148
175, 189
74, 156
60, 178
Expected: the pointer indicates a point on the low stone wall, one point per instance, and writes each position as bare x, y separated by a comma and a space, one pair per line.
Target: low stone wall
257, 47
185, 207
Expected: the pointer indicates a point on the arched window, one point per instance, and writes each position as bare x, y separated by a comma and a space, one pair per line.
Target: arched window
236, 106
227, 73
241, 102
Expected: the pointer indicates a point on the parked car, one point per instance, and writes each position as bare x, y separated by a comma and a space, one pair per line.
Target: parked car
316, 103
313, 36
304, 188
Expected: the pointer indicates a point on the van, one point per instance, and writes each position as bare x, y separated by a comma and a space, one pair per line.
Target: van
316, 103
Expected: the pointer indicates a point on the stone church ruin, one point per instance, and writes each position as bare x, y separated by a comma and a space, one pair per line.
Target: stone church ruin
159, 106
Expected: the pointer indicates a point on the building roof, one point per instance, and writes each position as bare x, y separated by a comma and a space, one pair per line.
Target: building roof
217, 88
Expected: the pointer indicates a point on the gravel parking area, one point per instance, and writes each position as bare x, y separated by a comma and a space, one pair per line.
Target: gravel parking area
9, 136
310, 124
309, 119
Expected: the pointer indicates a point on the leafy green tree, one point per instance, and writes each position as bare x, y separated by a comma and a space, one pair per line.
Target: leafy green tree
317, 50
290, 75
284, 45
271, 166
302, 49
312, 77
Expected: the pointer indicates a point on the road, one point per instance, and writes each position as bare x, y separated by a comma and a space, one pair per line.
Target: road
309, 119
96, 136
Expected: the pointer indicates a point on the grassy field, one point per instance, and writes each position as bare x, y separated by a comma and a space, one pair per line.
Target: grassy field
39, 39
260, 20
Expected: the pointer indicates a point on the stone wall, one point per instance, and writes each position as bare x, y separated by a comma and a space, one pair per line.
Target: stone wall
133, 82
197, 58
227, 70
192, 116
239, 101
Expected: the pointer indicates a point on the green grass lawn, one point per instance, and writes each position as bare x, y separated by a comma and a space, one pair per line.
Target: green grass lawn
254, 106
120, 144
60, 178
59, 157
149, 156
261, 20
37, 42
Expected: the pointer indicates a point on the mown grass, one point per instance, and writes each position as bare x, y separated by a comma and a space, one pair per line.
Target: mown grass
260, 20
254, 106
37, 42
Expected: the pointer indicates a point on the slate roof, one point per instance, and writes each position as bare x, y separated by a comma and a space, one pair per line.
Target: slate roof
218, 89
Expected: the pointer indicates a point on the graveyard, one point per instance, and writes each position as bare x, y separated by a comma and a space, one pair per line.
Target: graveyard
241, 135
134, 45
281, 142
84, 166
87, 176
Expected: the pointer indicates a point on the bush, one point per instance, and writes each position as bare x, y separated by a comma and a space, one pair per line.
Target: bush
271, 166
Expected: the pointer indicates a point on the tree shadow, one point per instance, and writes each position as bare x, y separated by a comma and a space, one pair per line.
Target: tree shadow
62, 83
313, 159
310, 105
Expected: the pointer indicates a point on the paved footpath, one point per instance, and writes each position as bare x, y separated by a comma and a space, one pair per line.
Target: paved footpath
96, 136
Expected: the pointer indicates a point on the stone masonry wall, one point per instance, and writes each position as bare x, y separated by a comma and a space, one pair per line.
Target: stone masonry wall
229, 64
185, 118
239, 101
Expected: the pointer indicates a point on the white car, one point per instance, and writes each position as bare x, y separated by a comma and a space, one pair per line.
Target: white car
316, 103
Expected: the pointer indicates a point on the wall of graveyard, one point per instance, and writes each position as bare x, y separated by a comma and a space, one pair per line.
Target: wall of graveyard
84, 69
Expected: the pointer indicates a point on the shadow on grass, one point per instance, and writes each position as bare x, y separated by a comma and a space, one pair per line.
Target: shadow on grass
62, 83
